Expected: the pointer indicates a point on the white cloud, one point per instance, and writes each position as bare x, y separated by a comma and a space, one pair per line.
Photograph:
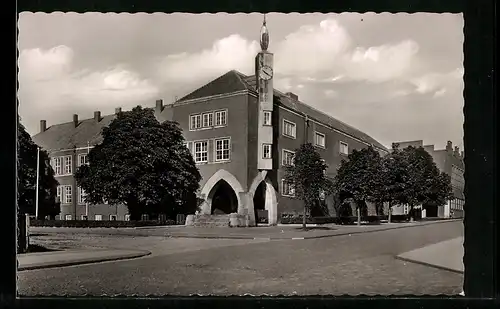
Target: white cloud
438, 83
330, 93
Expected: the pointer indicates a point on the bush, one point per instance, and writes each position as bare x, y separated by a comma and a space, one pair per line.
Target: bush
93, 223
294, 218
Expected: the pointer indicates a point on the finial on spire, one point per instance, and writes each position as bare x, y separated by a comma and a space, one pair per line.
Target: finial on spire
264, 35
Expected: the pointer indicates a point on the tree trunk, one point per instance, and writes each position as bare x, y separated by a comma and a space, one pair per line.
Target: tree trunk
390, 213
412, 218
304, 217
358, 210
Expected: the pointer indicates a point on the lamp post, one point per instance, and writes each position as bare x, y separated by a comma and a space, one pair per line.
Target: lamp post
37, 180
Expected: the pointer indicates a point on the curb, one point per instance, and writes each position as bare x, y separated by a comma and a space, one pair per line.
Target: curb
83, 261
429, 264
403, 225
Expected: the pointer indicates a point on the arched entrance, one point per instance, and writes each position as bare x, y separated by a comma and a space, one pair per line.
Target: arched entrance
224, 200
264, 198
259, 204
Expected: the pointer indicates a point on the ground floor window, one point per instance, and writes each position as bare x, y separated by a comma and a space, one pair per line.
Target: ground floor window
98, 217
287, 188
112, 217
68, 217
83, 217
127, 217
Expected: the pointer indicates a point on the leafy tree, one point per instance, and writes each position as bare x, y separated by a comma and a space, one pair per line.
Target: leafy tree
26, 178
358, 178
143, 164
308, 178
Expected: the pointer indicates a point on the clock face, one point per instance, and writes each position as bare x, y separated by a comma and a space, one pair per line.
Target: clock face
266, 73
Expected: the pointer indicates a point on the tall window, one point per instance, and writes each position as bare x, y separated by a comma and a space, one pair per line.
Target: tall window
57, 163
344, 148
81, 196
222, 149
60, 194
64, 193
98, 217
319, 139
208, 120
287, 188
201, 152
289, 129
267, 118
67, 165
287, 157
221, 118
82, 159
266, 151
195, 122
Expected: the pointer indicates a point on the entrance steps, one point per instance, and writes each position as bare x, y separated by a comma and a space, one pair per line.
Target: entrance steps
226, 220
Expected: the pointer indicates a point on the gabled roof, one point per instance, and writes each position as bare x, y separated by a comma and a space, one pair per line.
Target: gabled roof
66, 135
227, 83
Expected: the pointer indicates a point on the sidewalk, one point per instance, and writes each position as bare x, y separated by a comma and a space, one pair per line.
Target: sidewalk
447, 255
29, 261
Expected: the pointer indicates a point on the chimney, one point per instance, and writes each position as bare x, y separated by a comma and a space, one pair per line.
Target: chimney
457, 151
159, 105
97, 116
292, 96
75, 120
43, 125
449, 146
118, 110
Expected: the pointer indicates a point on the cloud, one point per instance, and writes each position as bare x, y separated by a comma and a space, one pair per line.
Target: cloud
51, 78
438, 83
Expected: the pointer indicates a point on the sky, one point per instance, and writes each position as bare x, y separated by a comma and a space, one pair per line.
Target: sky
396, 77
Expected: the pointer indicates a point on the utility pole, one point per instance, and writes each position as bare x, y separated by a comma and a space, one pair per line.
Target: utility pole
37, 180
86, 203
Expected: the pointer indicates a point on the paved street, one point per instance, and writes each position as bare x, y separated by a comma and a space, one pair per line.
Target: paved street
357, 264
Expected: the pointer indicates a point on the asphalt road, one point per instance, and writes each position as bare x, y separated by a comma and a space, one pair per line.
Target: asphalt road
356, 264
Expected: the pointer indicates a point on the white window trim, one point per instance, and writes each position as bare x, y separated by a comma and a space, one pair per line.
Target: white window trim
208, 126
63, 165
283, 151
194, 151
270, 113
215, 149
95, 217
66, 195
66, 217
270, 151
191, 116
80, 201
283, 190
340, 148
82, 217
70, 157
127, 217
316, 133
80, 158
111, 216
225, 111
284, 131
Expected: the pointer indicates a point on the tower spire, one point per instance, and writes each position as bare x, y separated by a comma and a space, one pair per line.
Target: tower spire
264, 35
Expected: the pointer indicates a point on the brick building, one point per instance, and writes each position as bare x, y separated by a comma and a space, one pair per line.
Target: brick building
241, 132
450, 161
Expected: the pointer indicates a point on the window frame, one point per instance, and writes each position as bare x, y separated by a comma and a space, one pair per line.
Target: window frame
210, 120
81, 193
270, 122
316, 134
283, 156
341, 143
293, 125
95, 217
225, 118
67, 158
66, 217
287, 194
201, 151
264, 146
192, 124
222, 139
83, 155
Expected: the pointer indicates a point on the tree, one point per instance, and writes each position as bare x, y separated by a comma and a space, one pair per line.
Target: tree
358, 178
308, 178
411, 177
143, 164
26, 178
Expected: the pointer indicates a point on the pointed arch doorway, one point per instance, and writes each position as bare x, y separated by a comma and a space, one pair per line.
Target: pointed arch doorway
264, 200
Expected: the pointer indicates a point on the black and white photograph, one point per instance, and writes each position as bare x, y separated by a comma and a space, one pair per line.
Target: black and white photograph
240, 154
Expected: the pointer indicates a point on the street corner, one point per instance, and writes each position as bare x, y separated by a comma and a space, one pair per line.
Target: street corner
32, 261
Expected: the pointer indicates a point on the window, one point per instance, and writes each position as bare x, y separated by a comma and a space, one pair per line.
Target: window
127, 217
221, 118
81, 196
67, 165
344, 148
266, 151
289, 129
287, 157
222, 149
82, 159
195, 122
64, 194
98, 217
112, 217
68, 217
57, 163
68, 196
319, 139
201, 152
84, 217
208, 120
267, 118
287, 189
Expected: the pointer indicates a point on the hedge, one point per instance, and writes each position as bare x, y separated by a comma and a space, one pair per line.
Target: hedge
93, 223
297, 219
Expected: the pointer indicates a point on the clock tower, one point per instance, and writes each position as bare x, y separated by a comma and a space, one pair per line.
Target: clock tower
264, 85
